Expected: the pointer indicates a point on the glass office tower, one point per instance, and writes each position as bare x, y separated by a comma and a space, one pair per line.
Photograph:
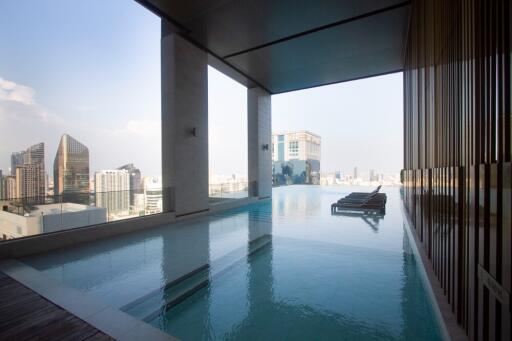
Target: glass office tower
71, 167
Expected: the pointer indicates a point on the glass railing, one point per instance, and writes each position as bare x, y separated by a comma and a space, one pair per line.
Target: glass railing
21, 217
229, 190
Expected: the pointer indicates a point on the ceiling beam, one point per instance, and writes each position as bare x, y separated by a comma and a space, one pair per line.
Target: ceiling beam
320, 28
339, 82
182, 31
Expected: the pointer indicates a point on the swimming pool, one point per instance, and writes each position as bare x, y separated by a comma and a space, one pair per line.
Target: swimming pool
285, 269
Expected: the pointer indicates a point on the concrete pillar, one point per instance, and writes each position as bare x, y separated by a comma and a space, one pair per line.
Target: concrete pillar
184, 124
259, 135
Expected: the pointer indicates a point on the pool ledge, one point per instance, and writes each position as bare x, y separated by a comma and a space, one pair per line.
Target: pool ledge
449, 327
110, 321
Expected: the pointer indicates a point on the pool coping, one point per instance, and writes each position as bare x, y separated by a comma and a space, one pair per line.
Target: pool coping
449, 327
86, 307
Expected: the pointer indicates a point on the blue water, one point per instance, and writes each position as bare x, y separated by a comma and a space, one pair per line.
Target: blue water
282, 270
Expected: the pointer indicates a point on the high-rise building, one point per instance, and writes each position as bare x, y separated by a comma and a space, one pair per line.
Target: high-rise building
1, 185
296, 157
71, 167
34, 154
135, 181
356, 173
28, 181
112, 189
17, 159
9, 187
29, 172
372, 176
153, 195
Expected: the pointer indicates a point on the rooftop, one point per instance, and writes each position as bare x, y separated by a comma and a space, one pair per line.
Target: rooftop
306, 132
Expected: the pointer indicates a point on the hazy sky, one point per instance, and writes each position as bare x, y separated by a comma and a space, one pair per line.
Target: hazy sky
92, 69
360, 122
227, 125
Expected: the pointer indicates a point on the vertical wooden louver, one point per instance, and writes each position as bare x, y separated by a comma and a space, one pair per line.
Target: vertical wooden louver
457, 154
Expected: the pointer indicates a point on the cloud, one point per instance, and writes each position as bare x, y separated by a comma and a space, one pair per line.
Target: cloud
145, 128
86, 108
18, 101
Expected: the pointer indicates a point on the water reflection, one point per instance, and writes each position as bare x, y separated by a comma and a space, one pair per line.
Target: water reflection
371, 219
295, 204
281, 270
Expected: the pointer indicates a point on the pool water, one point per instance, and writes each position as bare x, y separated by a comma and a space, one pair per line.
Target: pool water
285, 269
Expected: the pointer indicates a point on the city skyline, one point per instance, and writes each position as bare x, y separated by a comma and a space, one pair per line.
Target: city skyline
71, 171
87, 69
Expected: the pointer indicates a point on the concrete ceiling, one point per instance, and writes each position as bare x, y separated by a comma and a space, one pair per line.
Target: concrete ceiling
286, 45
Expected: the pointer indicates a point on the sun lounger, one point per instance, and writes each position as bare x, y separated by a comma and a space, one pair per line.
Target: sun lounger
360, 196
357, 201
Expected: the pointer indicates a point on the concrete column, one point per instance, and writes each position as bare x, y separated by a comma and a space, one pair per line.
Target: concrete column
184, 124
259, 135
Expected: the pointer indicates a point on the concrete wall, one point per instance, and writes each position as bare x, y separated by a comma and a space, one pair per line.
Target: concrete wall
71, 220
185, 128
184, 125
259, 124
16, 226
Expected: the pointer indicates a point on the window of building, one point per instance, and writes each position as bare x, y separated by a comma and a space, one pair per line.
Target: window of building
280, 148
293, 148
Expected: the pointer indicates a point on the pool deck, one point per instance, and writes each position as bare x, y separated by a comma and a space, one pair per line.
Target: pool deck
88, 309
26, 315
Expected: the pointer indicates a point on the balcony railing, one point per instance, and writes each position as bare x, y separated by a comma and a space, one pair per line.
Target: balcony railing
20, 217
229, 190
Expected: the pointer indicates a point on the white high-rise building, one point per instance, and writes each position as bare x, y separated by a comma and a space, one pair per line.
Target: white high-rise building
112, 189
297, 145
296, 157
153, 194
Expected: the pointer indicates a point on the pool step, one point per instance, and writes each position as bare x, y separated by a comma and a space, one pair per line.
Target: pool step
150, 306
227, 261
258, 215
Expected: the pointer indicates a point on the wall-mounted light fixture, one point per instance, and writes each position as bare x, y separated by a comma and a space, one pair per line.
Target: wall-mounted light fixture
193, 131
264, 147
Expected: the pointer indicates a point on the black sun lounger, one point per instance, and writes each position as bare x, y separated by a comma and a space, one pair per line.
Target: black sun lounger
360, 201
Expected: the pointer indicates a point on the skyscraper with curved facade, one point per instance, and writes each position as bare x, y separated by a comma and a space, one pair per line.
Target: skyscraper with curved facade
71, 167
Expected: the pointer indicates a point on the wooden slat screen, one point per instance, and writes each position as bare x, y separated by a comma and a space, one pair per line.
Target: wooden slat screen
457, 154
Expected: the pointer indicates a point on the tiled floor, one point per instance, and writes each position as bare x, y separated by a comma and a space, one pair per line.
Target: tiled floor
26, 315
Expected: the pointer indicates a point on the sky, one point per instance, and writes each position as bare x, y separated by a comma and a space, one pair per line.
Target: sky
91, 69
360, 122
227, 125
